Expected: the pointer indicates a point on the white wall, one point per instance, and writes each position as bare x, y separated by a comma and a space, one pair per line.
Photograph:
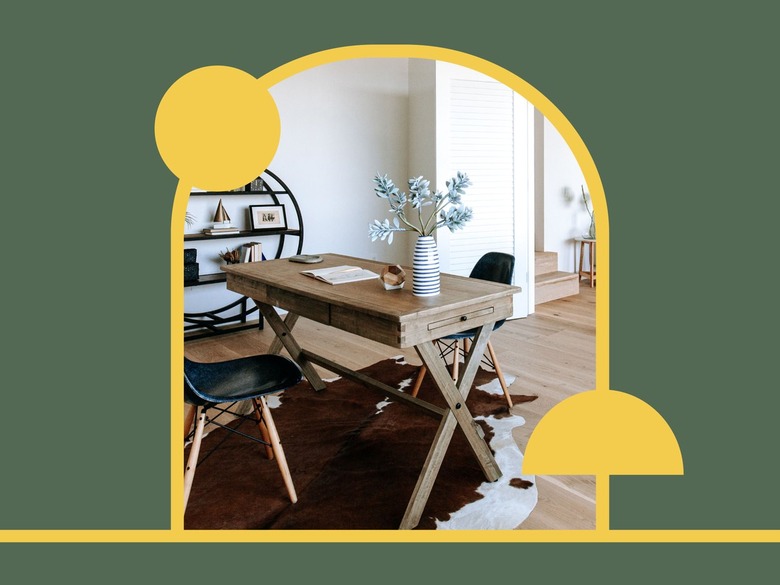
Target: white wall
341, 124
422, 120
564, 216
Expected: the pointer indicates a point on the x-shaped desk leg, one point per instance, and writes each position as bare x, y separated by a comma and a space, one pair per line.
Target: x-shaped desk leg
455, 396
284, 337
458, 415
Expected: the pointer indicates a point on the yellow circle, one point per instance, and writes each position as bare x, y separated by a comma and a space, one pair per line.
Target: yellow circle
217, 128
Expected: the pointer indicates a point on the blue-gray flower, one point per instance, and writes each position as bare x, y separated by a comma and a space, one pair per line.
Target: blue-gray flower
448, 209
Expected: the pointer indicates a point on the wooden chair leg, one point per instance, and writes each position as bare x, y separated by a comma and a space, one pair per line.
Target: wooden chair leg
269, 452
456, 361
189, 418
276, 445
192, 461
418, 382
455, 371
499, 374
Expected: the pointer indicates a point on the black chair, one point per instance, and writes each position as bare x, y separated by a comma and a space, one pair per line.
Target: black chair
495, 267
220, 386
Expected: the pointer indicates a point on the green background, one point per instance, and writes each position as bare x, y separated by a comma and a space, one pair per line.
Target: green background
677, 106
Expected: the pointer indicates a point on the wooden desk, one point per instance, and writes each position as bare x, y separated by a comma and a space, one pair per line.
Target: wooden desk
396, 318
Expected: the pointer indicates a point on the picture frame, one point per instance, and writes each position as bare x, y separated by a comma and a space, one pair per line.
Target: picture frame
267, 217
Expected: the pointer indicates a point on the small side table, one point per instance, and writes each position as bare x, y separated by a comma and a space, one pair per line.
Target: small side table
590, 273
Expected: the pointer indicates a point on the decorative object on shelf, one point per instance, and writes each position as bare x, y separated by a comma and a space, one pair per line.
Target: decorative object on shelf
222, 225
267, 217
591, 235
393, 277
231, 256
447, 210
191, 272
191, 266
256, 185
221, 217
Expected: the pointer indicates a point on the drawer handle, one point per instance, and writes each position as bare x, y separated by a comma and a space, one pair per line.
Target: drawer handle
463, 318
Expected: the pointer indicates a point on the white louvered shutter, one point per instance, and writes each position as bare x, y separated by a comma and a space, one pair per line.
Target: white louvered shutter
483, 131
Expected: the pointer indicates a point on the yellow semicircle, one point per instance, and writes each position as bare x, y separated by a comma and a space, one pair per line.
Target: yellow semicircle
602, 432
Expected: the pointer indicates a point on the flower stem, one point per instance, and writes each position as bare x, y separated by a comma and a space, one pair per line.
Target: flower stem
411, 225
585, 201
442, 204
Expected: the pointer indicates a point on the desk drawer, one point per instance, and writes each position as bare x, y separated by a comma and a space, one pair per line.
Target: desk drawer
247, 287
463, 319
300, 305
369, 326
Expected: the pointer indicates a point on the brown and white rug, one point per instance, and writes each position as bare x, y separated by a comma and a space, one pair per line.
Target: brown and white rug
355, 458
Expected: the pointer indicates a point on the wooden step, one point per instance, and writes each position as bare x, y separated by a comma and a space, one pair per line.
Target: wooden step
546, 262
556, 285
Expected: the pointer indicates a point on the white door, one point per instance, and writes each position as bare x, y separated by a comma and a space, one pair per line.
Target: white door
485, 129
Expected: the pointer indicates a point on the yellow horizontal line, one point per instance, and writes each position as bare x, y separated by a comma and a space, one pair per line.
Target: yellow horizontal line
381, 536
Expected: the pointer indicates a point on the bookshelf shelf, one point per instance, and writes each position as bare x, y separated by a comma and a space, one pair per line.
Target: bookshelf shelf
242, 234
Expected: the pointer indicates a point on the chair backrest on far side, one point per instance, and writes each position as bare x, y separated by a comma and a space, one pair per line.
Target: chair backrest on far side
495, 267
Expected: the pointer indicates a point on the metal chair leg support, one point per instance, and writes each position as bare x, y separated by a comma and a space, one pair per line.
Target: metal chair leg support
269, 452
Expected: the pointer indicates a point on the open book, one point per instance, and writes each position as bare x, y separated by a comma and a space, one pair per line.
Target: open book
341, 274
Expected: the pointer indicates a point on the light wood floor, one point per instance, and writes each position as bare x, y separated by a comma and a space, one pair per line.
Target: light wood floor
551, 353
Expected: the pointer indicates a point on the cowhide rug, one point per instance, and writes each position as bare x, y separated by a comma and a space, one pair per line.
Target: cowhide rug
355, 457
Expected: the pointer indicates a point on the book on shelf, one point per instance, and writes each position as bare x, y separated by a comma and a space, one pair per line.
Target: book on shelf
221, 231
341, 274
252, 252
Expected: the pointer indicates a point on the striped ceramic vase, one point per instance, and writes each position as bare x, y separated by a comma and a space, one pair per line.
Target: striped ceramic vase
425, 267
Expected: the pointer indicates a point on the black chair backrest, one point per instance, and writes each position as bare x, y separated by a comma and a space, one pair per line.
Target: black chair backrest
495, 267
191, 395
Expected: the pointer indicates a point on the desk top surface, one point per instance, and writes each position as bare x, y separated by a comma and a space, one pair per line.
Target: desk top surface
369, 297
394, 317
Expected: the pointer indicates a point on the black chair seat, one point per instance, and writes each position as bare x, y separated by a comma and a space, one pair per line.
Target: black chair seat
238, 379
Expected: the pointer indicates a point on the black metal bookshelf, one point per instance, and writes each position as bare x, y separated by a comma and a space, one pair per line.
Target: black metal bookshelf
218, 321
